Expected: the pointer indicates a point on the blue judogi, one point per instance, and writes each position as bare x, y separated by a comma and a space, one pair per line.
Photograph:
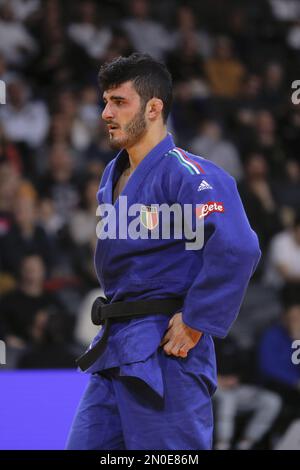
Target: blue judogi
142, 398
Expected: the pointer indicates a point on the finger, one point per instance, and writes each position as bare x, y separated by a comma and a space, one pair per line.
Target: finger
176, 351
168, 347
174, 347
180, 350
183, 351
166, 338
171, 322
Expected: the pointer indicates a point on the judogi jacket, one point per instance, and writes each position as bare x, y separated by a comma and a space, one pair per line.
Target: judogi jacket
212, 280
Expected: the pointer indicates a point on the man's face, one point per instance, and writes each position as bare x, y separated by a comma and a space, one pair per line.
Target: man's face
124, 115
32, 270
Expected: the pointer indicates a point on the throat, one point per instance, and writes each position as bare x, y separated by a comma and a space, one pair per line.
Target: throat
121, 183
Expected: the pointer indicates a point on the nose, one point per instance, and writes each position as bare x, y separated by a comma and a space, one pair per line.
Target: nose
107, 114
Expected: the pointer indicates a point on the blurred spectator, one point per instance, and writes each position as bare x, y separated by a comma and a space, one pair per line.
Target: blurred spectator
224, 71
185, 112
273, 95
285, 10
288, 193
268, 143
48, 218
16, 44
53, 351
187, 26
277, 369
240, 27
59, 57
284, 257
120, 44
4, 75
80, 131
259, 203
59, 135
293, 37
60, 183
60, 129
22, 9
8, 186
211, 145
88, 33
24, 121
83, 264
247, 104
291, 132
25, 235
9, 183
156, 39
89, 110
24, 311
185, 62
9, 153
261, 307
100, 151
250, 97
83, 221
82, 232
237, 394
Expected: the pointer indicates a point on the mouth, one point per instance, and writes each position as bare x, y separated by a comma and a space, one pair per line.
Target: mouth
112, 127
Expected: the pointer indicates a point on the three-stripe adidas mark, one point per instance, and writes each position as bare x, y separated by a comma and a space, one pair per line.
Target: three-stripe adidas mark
204, 185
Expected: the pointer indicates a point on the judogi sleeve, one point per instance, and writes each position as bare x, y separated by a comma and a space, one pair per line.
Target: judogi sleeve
229, 255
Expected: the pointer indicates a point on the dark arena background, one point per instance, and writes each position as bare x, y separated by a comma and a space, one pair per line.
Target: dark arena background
236, 73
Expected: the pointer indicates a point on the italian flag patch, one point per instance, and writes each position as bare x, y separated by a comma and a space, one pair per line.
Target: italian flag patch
149, 217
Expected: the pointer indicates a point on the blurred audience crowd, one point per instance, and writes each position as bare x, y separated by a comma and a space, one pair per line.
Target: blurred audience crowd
233, 64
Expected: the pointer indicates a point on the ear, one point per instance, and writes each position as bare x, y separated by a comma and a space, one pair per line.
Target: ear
154, 108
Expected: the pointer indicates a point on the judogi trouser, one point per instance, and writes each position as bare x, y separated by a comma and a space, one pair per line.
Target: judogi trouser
119, 411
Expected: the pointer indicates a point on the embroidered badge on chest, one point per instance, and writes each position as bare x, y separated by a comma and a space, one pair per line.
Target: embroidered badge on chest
149, 217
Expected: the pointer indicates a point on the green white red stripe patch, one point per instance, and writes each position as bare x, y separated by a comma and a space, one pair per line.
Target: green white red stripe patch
193, 167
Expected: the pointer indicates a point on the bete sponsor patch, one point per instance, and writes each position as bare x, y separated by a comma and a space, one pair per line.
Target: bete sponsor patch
203, 210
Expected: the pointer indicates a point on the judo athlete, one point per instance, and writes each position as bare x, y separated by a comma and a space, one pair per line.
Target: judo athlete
152, 365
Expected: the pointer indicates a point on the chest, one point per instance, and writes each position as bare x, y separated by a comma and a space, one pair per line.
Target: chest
120, 184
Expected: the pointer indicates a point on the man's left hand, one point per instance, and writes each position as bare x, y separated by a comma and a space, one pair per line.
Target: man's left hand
179, 338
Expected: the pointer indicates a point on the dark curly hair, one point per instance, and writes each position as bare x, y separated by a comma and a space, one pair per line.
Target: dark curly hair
151, 79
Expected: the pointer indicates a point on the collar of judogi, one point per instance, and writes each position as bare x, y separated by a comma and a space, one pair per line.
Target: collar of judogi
141, 171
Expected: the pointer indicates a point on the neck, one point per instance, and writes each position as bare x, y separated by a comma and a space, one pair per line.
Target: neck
139, 150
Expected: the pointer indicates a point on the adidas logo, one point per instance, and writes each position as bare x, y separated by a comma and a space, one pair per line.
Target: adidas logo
204, 185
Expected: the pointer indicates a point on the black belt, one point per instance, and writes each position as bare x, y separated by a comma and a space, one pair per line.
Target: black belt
103, 313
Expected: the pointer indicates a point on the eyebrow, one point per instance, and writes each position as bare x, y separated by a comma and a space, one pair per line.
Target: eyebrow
115, 98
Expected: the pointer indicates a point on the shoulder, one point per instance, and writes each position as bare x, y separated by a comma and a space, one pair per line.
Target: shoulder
185, 163
182, 168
